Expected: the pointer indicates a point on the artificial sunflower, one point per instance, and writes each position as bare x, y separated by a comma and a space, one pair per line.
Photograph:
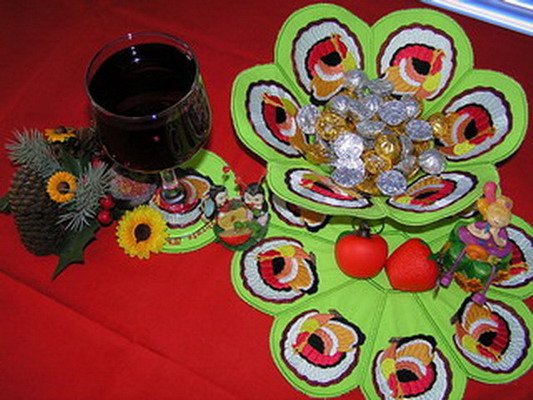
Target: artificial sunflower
59, 134
142, 231
61, 186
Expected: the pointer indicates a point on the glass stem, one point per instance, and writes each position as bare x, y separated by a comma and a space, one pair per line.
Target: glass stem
173, 191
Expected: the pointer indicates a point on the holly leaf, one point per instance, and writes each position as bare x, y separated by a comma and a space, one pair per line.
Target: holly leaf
4, 204
74, 244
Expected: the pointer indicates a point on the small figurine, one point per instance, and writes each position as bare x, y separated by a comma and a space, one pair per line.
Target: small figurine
478, 254
241, 222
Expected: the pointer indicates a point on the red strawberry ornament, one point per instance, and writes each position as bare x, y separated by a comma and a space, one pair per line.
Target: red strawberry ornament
361, 254
410, 267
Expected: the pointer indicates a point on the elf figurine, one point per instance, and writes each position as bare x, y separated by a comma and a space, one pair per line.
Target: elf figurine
478, 254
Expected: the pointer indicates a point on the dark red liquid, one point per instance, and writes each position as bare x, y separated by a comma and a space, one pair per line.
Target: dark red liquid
136, 87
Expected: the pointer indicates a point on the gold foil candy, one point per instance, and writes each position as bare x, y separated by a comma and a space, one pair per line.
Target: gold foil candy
375, 164
369, 186
439, 125
330, 125
420, 147
388, 147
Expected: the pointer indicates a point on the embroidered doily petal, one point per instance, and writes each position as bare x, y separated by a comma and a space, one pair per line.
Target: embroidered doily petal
423, 52
279, 272
324, 345
491, 342
421, 365
308, 185
199, 234
317, 44
264, 104
487, 112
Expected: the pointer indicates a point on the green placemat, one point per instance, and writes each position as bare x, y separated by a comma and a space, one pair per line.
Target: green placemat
332, 333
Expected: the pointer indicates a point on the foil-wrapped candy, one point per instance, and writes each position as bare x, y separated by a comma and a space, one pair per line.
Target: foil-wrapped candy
355, 80
408, 165
413, 107
348, 145
339, 104
393, 112
374, 163
432, 161
370, 128
348, 177
358, 111
381, 87
388, 147
419, 130
407, 145
391, 183
330, 125
372, 102
307, 117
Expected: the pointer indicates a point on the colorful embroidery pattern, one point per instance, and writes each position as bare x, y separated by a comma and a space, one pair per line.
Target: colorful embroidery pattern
279, 270
295, 215
322, 52
490, 336
419, 59
321, 189
432, 193
520, 271
321, 349
412, 367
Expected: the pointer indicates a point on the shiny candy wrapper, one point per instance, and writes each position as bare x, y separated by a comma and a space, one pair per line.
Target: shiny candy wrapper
439, 125
419, 130
375, 164
407, 145
358, 111
330, 125
339, 105
393, 112
372, 102
370, 128
307, 117
381, 87
355, 79
348, 145
348, 177
388, 147
432, 161
349, 162
412, 106
408, 165
391, 183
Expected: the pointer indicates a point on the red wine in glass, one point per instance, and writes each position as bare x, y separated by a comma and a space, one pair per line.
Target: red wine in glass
149, 105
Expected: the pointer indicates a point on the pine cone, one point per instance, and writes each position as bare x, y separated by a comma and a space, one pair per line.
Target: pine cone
36, 215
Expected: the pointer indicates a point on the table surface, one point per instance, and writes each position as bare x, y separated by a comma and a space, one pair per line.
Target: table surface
170, 327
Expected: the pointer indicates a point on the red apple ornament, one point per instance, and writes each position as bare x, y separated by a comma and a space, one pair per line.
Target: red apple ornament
410, 267
361, 254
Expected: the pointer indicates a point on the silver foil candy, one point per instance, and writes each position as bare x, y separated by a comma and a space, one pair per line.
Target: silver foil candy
372, 102
358, 110
355, 79
339, 105
348, 177
393, 112
381, 87
407, 165
432, 161
348, 145
412, 107
407, 145
307, 117
418, 129
370, 129
391, 183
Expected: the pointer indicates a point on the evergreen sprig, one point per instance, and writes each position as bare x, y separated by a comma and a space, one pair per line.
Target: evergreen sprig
29, 148
91, 187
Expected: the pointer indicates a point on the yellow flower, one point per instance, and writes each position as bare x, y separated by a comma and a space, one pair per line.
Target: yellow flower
61, 186
142, 231
59, 134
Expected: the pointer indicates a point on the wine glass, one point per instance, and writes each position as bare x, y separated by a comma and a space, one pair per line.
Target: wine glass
149, 105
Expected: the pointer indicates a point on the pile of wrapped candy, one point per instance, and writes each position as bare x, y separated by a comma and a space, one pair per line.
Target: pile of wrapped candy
369, 139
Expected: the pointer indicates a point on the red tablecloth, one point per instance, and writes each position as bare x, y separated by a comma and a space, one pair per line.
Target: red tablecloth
170, 327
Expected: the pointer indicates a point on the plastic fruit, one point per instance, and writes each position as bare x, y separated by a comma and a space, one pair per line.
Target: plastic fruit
361, 254
410, 267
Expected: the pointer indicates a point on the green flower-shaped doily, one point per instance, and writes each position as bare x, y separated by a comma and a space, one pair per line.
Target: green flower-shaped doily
424, 53
332, 333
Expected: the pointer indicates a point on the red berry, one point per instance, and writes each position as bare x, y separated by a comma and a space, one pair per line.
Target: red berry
105, 217
107, 202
